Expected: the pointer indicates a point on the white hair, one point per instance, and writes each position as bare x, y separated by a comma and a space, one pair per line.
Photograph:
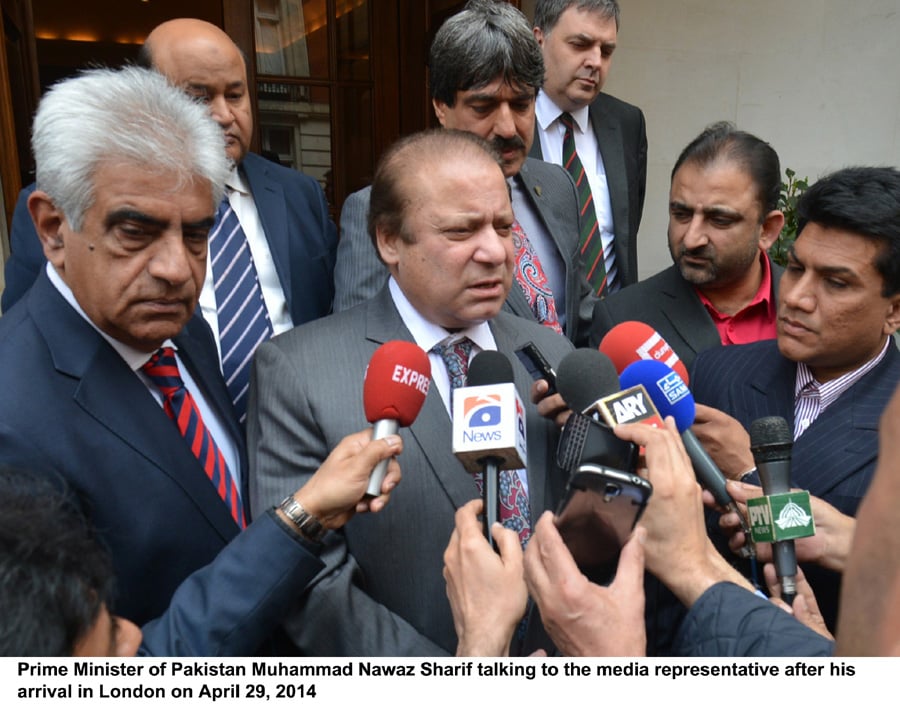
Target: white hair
130, 115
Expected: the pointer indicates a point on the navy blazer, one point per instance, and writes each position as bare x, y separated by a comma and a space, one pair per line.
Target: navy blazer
835, 457
621, 133
72, 406
293, 213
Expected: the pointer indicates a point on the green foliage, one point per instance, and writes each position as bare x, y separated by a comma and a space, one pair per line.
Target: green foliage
791, 190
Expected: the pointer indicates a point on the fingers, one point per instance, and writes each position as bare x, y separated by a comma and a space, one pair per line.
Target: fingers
630, 571
508, 544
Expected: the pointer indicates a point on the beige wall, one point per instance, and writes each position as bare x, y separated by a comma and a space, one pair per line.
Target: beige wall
818, 79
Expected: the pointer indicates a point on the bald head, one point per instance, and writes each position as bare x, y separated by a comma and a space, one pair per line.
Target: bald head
205, 62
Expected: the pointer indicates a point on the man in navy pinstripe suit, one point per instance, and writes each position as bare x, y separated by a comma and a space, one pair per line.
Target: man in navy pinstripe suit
834, 365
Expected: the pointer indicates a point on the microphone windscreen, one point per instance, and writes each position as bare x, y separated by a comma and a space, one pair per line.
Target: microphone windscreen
666, 389
489, 368
771, 439
584, 376
633, 341
396, 383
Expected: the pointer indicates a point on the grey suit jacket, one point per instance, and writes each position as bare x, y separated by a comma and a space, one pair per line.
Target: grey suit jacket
359, 273
669, 304
621, 133
383, 591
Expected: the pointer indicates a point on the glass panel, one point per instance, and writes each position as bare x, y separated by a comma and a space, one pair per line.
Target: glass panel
354, 110
295, 127
291, 37
352, 29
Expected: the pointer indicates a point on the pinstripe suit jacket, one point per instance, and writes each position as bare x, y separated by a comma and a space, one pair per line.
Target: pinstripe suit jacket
359, 274
383, 591
835, 458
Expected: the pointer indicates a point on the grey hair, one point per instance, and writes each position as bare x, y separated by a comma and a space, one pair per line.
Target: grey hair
547, 12
130, 115
486, 40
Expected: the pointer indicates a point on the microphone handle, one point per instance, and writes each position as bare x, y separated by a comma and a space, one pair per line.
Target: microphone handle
775, 477
707, 473
380, 430
490, 489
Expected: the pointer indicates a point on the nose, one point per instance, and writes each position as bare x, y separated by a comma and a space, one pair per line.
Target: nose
170, 260
797, 292
504, 121
220, 111
695, 232
594, 57
493, 248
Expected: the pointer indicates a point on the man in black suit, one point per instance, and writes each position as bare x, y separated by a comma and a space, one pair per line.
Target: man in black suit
834, 366
282, 213
484, 72
723, 216
610, 137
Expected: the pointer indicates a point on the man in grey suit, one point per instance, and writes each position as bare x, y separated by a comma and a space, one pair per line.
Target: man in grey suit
723, 216
485, 70
578, 38
441, 220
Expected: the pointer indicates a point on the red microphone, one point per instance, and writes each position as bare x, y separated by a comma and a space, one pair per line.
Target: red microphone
632, 341
394, 390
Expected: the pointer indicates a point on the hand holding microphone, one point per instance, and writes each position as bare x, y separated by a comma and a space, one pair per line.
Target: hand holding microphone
394, 390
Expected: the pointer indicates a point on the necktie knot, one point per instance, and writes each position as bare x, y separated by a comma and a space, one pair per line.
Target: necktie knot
567, 120
456, 358
162, 369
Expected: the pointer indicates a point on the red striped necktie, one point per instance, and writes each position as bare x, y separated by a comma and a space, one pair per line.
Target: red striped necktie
180, 406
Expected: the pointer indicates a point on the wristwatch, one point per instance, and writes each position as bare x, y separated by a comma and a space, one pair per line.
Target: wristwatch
307, 524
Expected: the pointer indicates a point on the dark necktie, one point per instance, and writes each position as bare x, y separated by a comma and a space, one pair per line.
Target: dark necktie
243, 319
515, 513
180, 406
533, 280
590, 242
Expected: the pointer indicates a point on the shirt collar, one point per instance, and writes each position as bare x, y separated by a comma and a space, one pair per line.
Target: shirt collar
763, 294
427, 334
546, 111
134, 358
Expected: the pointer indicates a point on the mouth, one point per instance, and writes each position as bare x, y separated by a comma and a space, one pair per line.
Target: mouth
792, 327
488, 288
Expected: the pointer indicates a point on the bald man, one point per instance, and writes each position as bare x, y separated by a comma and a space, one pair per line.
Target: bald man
283, 214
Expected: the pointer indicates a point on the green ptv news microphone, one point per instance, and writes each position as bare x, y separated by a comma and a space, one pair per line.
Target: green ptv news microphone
779, 516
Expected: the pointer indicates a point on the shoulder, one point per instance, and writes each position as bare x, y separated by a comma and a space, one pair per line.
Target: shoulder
616, 106
257, 167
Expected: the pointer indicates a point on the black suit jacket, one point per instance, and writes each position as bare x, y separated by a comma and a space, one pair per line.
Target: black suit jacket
621, 133
835, 458
669, 304
72, 406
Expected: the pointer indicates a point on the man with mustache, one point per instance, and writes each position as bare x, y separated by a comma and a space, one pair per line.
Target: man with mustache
485, 71
834, 365
723, 216
592, 133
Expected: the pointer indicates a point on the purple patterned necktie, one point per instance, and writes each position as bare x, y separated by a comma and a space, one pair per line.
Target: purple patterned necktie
515, 513
533, 281
180, 406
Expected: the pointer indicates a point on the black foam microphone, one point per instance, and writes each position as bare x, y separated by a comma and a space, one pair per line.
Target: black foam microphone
585, 376
771, 441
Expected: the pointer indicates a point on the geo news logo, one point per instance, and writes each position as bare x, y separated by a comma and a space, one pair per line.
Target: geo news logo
480, 412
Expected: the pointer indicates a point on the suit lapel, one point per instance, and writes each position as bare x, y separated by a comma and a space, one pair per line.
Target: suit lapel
686, 314
609, 140
110, 392
268, 195
432, 428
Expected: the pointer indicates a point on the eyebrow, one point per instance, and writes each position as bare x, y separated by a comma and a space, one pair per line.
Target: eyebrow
824, 269
120, 215
709, 211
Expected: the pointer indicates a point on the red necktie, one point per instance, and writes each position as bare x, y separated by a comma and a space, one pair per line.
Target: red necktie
180, 406
533, 281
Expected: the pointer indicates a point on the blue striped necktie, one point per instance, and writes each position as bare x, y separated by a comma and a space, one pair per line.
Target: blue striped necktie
243, 320
180, 406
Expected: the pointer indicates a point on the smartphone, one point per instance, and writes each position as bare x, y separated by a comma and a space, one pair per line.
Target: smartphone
538, 366
597, 514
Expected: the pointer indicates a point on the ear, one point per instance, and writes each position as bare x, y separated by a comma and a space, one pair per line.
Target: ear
50, 223
892, 320
538, 35
440, 110
388, 247
771, 229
